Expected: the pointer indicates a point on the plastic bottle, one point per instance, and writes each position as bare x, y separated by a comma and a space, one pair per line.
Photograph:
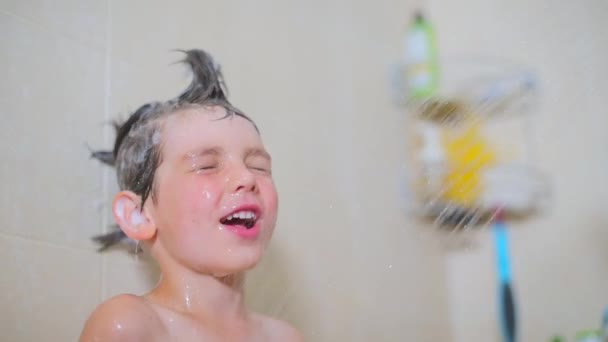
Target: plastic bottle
420, 59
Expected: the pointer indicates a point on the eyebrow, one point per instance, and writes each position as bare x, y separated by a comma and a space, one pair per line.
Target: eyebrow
258, 152
212, 151
215, 151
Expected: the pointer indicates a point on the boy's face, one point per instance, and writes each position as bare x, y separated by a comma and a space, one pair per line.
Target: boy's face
215, 201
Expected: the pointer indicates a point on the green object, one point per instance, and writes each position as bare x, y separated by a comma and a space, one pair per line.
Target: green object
420, 59
557, 339
588, 336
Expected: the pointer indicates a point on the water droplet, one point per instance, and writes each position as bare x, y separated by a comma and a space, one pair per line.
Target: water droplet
187, 298
117, 325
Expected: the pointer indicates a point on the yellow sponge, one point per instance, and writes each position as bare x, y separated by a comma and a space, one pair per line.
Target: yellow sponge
468, 153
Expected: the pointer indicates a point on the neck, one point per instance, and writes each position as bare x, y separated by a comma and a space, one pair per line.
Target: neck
205, 297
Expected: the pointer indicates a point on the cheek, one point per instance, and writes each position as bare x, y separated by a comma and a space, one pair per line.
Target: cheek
192, 197
202, 197
270, 196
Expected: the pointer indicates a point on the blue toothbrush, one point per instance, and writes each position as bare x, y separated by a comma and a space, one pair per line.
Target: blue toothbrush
505, 291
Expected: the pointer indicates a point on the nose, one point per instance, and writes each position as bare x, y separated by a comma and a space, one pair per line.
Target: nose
242, 179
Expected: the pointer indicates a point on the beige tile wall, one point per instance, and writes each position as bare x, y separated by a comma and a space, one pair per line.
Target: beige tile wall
345, 264
52, 98
46, 289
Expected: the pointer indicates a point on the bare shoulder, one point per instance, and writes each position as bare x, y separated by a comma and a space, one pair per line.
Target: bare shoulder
122, 318
280, 330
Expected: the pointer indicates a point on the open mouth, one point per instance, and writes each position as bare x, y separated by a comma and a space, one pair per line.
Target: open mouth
245, 218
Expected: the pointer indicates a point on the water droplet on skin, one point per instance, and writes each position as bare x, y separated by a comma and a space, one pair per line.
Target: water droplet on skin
117, 325
187, 297
206, 194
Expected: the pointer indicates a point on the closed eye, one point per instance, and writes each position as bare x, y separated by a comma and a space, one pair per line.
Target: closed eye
262, 169
202, 168
258, 160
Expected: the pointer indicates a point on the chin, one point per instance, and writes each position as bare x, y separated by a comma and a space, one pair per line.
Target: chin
245, 260
250, 259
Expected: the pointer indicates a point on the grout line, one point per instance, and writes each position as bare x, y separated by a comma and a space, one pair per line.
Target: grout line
106, 134
106, 112
45, 242
48, 29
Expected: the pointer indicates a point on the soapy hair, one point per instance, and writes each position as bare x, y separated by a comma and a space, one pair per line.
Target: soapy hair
137, 148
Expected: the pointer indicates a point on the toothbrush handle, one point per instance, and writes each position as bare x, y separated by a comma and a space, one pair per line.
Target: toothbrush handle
506, 297
509, 326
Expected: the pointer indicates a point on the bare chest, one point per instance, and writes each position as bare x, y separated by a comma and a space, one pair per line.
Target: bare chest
178, 327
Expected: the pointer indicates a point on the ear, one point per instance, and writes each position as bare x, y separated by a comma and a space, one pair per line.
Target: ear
134, 221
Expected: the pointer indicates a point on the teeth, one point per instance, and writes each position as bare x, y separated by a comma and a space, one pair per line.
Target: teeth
242, 215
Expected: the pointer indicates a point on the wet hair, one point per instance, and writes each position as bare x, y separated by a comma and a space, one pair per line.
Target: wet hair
137, 148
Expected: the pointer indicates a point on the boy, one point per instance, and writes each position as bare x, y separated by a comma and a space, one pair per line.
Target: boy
197, 192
